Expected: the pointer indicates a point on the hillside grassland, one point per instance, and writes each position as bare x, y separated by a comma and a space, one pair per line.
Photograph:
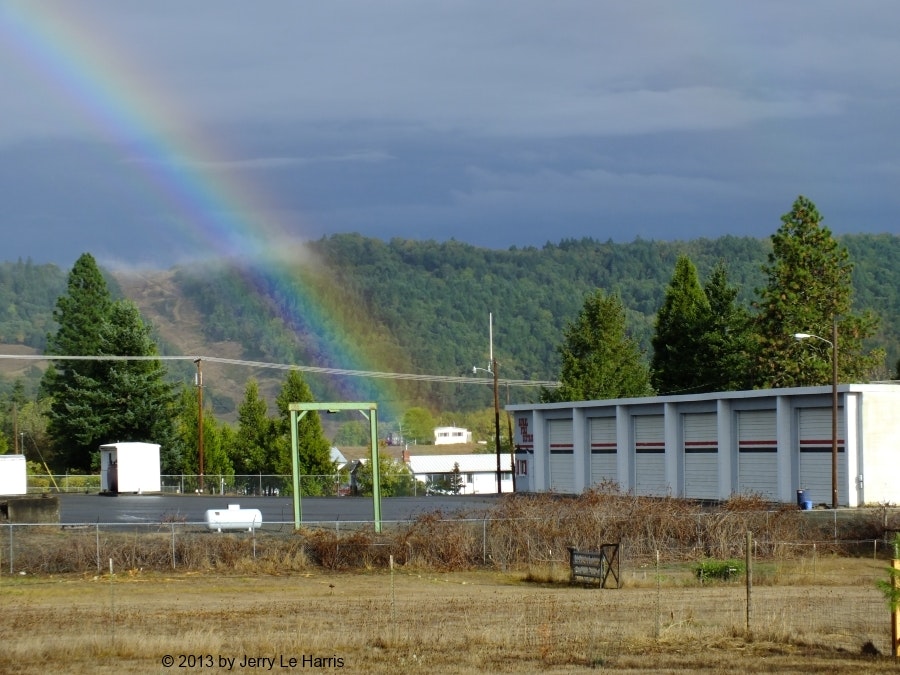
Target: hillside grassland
418, 621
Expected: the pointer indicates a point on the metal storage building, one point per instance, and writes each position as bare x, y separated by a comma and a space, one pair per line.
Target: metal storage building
129, 467
769, 442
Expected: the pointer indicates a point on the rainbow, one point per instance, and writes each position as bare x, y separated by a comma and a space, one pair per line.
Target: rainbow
234, 219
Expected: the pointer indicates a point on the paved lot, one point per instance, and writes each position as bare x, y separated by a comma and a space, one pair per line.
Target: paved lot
150, 509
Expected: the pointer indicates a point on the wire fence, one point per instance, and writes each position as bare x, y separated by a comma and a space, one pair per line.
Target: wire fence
800, 590
325, 485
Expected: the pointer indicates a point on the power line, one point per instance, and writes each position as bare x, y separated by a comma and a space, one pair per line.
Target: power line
455, 379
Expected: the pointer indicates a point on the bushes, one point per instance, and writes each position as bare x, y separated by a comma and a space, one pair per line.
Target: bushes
519, 532
722, 570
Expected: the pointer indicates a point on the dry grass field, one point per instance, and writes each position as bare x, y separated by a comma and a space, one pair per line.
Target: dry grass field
416, 621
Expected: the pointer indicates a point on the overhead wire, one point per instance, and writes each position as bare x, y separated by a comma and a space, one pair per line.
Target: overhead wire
413, 377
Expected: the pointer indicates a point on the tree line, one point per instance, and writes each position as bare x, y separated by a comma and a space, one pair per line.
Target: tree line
604, 319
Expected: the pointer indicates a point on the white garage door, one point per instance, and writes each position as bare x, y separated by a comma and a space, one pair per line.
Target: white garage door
757, 453
649, 456
701, 456
815, 456
562, 456
604, 465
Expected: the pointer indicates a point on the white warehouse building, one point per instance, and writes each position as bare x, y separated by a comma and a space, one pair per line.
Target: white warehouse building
770, 442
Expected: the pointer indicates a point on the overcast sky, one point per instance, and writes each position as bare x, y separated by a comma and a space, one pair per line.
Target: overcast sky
154, 132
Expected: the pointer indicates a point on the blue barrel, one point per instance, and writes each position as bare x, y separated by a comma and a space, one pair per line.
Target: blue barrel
806, 506
801, 497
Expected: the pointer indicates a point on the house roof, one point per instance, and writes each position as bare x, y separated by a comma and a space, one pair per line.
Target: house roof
480, 463
337, 456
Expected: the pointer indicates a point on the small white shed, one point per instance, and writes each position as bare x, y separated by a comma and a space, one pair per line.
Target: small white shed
129, 467
13, 477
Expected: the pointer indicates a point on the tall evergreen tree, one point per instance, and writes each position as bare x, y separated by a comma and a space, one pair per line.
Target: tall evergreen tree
599, 360
255, 433
133, 397
216, 440
81, 315
809, 287
314, 450
726, 340
680, 324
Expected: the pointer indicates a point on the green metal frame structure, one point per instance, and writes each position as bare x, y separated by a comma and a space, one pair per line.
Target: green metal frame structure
367, 410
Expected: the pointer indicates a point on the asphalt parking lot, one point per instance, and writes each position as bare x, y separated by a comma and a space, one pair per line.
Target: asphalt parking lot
78, 509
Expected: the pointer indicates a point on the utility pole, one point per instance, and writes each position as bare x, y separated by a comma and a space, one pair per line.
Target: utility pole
199, 383
493, 370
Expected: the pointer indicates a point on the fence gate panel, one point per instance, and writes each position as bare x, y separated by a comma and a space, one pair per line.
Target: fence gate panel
649, 456
604, 463
757, 453
701, 456
815, 456
562, 456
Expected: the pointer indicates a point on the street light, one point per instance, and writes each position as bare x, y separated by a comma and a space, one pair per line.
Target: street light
492, 369
834, 403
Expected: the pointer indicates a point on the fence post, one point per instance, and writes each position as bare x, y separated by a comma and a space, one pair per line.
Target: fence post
749, 576
10, 548
895, 614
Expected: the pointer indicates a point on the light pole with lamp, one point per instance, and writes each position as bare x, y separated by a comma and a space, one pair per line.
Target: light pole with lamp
834, 403
493, 371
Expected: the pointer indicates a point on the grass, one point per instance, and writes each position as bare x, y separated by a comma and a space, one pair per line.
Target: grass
422, 621
465, 596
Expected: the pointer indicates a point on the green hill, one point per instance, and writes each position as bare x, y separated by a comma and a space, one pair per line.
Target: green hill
411, 307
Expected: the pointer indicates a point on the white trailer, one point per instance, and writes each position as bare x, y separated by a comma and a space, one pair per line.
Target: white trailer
129, 467
13, 477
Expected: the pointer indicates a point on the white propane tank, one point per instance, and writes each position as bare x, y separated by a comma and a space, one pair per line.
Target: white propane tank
233, 518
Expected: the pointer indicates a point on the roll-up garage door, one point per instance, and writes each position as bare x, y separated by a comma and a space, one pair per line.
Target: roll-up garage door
649, 456
562, 456
701, 456
815, 456
604, 466
757, 453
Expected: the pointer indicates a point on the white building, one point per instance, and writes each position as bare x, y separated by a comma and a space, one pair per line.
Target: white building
129, 467
13, 475
770, 442
451, 436
478, 473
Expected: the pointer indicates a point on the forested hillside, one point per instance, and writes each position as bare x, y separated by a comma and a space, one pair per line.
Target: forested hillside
422, 307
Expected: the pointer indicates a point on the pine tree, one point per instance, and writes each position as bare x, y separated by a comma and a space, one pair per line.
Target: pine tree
599, 360
255, 433
134, 400
81, 315
216, 440
725, 341
809, 287
314, 450
680, 324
